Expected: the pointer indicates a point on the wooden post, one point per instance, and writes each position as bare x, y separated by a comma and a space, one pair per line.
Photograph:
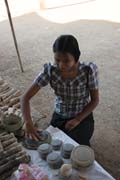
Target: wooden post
13, 33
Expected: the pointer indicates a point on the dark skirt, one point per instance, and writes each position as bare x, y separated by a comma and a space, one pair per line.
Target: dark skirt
81, 133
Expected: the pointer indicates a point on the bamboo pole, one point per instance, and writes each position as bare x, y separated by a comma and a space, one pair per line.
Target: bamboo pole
13, 33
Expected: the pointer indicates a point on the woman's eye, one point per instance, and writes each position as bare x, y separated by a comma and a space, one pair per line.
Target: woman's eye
66, 61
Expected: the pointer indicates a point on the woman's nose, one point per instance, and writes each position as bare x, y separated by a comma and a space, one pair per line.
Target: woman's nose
62, 65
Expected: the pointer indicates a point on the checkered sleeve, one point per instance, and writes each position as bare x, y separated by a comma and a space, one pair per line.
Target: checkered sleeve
93, 76
43, 77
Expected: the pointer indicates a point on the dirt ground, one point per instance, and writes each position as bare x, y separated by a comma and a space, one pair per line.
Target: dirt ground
99, 41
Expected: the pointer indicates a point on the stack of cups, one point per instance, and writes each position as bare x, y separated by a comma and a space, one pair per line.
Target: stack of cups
54, 160
66, 150
44, 150
56, 144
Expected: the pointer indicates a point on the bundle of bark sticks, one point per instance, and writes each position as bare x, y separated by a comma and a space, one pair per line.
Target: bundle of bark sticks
10, 113
9, 97
11, 152
11, 155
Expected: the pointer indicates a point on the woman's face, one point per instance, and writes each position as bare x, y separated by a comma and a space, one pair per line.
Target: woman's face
65, 61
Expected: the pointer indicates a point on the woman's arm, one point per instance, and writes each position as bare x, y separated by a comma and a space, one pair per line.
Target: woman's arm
25, 107
94, 95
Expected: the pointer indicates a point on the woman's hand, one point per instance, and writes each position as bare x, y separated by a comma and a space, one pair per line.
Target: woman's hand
71, 124
32, 132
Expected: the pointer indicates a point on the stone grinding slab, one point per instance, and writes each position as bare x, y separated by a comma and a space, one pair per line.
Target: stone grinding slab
33, 144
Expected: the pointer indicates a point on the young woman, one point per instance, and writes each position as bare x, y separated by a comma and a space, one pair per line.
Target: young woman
75, 85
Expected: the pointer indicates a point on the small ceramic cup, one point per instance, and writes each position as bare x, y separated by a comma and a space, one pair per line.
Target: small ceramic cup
65, 172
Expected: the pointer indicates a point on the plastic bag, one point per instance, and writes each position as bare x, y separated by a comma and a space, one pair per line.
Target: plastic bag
26, 172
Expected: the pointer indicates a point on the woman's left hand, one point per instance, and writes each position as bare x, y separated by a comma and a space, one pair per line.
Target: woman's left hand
71, 124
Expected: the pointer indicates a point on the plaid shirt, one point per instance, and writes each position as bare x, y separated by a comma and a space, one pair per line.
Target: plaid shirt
72, 95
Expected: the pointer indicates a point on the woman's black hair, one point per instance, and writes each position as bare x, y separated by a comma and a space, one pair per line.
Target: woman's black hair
67, 44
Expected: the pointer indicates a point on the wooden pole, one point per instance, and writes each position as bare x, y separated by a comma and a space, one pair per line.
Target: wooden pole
13, 33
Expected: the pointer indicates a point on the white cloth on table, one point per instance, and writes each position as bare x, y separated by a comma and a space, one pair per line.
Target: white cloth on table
94, 172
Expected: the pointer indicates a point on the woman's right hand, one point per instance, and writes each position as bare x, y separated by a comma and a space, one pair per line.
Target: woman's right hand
32, 132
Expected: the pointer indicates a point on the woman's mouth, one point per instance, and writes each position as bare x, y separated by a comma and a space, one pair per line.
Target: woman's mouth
64, 70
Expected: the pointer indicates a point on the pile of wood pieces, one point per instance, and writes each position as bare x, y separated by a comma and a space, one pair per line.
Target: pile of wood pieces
10, 113
9, 97
11, 155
